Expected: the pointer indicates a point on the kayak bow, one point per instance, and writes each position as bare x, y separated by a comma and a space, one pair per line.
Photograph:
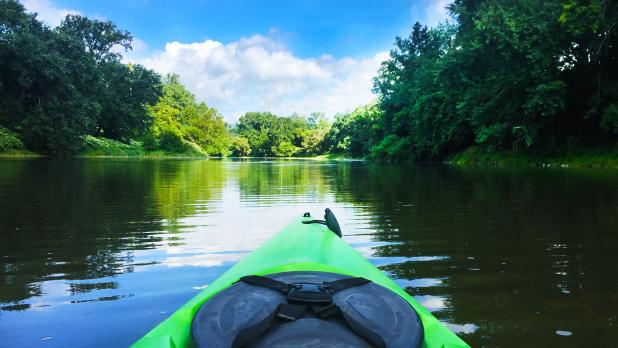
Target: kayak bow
301, 246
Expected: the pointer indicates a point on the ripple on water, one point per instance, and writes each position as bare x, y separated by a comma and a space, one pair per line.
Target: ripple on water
385, 261
563, 333
419, 282
432, 303
461, 328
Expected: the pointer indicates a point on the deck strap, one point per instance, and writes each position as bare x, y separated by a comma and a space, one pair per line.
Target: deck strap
287, 312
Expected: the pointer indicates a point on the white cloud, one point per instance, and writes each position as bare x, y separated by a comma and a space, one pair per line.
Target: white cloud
260, 74
47, 12
436, 12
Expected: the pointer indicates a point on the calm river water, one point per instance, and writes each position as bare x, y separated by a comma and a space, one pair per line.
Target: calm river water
95, 252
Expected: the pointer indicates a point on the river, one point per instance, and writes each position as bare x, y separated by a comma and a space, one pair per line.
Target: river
95, 252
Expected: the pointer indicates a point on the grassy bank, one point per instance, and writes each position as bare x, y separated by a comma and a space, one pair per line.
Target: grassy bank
336, 156
103, 147
593, 158
12, 146
18, 153
323, 157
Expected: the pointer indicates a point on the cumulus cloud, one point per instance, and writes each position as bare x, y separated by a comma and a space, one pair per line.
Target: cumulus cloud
47, 12
260, 74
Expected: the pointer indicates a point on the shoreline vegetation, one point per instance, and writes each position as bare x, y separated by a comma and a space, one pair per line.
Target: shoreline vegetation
474, 156
600, 158
108, 148
471, 157
505, 83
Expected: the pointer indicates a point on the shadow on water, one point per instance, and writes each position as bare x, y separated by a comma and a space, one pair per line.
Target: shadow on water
513, 250
82, 220
505, 257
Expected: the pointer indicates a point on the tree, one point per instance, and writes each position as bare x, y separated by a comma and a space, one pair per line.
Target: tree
47, 83
271, 135
241, 147
356, 132
57, 85
256, 127
284, 149
125, 92
589, 61
510, 75
179, 121
99, 37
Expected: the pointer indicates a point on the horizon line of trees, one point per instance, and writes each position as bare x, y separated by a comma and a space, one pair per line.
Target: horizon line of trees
58, 85
517, 75
532, 75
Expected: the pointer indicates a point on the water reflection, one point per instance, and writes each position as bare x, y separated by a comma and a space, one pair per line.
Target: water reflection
122, 243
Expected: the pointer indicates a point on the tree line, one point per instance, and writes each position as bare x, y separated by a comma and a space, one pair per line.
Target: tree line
58, 85
515, 75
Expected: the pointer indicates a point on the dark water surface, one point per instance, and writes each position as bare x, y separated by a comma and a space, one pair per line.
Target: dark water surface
96, 252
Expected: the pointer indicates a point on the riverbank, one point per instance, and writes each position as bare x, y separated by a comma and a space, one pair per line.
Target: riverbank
19, 153
474, 156
593, 158
103, 147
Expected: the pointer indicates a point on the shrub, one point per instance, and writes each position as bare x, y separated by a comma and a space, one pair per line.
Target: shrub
9, 140
284, 149
170, 140
241, 147
391, 148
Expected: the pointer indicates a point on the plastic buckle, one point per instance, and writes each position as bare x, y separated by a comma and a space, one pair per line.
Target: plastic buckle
311, 294
325, 311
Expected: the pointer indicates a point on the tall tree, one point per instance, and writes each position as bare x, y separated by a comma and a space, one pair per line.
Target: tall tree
125, 89
47, 82
100, 37
180, 121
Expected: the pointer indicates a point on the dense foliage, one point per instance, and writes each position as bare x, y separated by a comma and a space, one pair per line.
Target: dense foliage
354, 133
181, 123
57, 85
528, 75
265, 134
9, 140
525, 76
60, 85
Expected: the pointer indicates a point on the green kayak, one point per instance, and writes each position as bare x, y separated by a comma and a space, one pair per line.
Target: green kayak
306, 245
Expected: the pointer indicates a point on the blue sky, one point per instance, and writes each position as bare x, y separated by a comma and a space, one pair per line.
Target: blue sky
283, 56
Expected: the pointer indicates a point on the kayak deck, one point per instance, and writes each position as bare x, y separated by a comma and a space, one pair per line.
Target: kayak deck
298, 247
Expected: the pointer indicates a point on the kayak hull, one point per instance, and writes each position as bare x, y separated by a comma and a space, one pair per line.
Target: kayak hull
298, 247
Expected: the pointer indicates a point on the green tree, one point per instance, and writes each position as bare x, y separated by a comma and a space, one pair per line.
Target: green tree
124, 90
284, 149
256, 127
356, 132
241, 147
57, 85
48, 85
518, 75
589, 62
99, 37
271, 135
180, 121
